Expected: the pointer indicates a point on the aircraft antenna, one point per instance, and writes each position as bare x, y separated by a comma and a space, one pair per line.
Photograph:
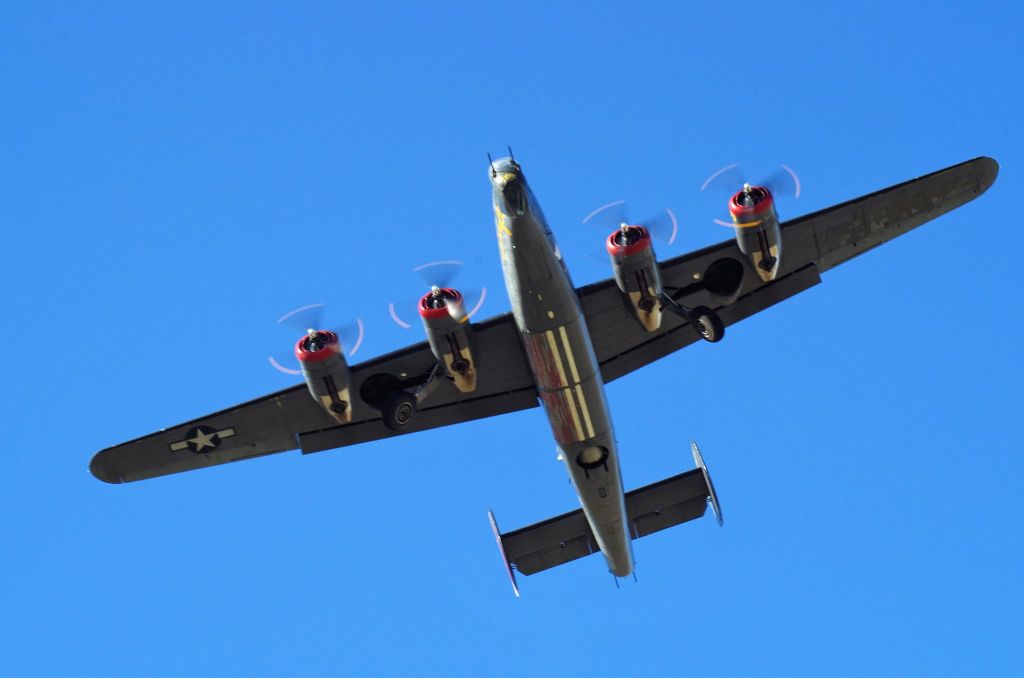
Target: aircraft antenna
510, 153
491, 163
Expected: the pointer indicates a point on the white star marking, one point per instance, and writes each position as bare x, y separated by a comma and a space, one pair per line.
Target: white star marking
202, 440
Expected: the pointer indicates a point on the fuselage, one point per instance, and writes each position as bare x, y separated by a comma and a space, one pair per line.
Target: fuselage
557, 342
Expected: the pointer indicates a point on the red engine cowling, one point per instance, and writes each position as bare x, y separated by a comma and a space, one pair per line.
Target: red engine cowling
450, 335
757, 229
636, 272
326, 372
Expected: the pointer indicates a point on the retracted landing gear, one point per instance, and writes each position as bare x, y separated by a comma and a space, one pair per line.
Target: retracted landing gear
401, 406
706, 322
399, 410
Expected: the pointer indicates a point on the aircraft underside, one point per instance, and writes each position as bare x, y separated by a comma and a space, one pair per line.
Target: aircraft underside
557, 349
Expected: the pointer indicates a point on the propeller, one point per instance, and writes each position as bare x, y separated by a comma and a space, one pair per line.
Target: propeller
311, 317
662, 225
783, 181
439, 275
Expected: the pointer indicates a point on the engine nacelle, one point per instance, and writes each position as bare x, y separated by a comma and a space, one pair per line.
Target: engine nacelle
450, 335
757, 229
636, 272
326, 373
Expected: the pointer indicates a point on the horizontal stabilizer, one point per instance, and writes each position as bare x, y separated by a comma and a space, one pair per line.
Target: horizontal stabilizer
649, 509
666, 503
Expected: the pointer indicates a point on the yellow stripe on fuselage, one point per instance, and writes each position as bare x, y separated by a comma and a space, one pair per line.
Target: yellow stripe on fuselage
567, 392
556, 357
576, 380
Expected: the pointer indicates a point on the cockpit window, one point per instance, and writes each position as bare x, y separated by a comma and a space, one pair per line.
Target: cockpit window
503, 165
514, 195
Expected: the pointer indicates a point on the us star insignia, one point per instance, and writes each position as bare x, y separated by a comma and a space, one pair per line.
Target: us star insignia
202, 439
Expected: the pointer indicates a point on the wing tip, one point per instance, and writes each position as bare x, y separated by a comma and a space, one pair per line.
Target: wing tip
101, 471
988, 170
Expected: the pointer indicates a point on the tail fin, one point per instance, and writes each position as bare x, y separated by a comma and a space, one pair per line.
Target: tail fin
501, 549
712, 496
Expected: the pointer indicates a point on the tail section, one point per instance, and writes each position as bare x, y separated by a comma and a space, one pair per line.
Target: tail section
649, 509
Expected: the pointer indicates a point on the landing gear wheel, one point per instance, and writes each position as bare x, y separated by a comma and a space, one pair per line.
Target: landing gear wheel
399, 410
707, 323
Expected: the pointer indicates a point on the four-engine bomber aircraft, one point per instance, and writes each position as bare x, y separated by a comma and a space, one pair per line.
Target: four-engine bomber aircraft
557, 348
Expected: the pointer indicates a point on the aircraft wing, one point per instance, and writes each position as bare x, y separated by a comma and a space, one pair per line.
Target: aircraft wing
811, 245
291, 419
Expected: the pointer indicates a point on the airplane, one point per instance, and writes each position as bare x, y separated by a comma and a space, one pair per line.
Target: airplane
556, 349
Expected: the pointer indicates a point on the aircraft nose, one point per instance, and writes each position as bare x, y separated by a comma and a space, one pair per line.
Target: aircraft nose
503, 170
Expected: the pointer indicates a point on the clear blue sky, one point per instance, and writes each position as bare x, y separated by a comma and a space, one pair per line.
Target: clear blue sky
172, 179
